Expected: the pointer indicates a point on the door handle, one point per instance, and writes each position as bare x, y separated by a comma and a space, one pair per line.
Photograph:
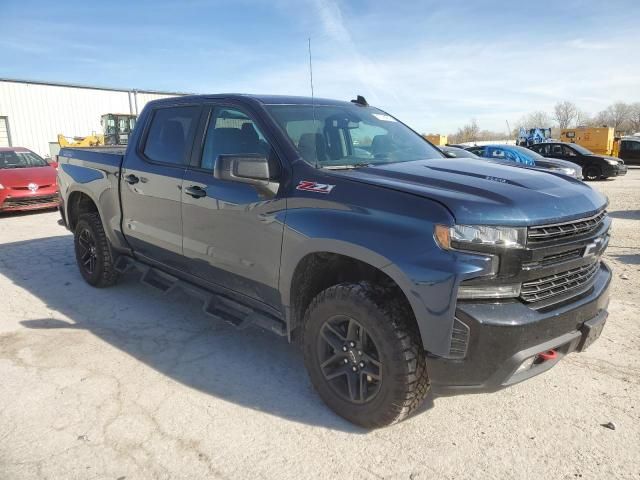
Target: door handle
195, 191
131, 179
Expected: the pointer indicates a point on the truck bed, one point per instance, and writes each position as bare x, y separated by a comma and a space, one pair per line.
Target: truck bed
99, 155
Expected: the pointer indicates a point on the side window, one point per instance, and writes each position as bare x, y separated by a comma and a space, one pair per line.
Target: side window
496, 153
556, 150
229, 132
477, 151
632, 146
170, 129
569, 152
542, 148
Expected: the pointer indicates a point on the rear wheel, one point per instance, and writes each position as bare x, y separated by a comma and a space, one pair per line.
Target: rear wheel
592, 173
364, 355
93, 254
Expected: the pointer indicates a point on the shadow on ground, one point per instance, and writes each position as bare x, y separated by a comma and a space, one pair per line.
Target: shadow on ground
170, 334
626, 214
630, 259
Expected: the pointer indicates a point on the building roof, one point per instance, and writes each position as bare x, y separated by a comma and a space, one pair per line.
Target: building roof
90, 87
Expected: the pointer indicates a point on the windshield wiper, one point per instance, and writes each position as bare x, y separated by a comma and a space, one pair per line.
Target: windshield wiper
350, 166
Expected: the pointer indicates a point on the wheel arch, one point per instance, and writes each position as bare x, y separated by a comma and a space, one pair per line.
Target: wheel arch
334, 262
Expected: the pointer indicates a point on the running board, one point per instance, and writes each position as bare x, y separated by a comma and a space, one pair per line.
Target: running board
217, 306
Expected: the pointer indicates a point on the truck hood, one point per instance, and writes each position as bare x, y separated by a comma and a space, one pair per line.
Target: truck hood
487, 192
22, 177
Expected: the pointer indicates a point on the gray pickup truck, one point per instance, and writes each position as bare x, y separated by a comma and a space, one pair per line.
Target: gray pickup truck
397, 269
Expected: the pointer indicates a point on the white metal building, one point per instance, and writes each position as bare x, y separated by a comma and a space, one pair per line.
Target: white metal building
32, 114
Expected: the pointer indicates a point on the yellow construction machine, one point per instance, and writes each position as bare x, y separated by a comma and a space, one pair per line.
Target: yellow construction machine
116, 129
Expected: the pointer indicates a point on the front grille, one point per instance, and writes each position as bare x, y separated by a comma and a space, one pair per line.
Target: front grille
559, 231
558, 284
554, 259
30, 201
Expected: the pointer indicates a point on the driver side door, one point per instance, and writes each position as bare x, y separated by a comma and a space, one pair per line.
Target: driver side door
232, 231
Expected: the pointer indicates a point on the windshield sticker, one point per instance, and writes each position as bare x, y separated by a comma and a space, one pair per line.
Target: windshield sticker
384, 118
308, 186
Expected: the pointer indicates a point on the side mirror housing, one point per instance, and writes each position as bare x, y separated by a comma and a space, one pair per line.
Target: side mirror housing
247, 168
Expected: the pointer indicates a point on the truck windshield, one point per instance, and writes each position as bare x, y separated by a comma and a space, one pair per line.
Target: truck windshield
21, 160
345, 136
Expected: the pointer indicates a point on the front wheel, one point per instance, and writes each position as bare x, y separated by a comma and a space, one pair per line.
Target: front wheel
363, 354
592, 173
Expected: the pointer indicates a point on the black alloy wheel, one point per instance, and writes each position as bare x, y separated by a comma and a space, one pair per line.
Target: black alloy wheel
349, 359
87, 251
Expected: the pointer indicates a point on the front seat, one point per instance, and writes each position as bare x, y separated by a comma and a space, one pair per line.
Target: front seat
312, 147
381, 145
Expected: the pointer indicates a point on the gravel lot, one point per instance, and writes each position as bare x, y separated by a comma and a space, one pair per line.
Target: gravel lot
125, 383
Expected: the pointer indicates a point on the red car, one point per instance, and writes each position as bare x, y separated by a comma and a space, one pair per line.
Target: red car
27, 181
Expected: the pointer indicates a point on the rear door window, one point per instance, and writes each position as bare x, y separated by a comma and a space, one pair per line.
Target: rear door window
170, 134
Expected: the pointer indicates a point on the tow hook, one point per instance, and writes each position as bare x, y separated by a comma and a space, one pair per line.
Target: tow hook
545, 356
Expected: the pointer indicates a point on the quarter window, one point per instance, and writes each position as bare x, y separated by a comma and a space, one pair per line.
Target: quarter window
169, 134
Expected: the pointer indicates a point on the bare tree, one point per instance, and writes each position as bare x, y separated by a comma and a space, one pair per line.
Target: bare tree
583, 119
565, 113
616, 116
538, 119
634, 118
468, 133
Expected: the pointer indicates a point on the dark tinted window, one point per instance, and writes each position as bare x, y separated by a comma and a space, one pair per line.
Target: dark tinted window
231, 132
477, 151
169, 134
541, 148
632, 146
556, 150
569, 152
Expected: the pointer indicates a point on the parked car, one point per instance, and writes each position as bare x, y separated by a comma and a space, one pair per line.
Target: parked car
630, 150
397, 269
594, 167
27, 181
457, 152
528, 158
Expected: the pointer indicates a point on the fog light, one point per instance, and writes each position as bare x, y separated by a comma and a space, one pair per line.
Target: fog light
526, 365
492, 291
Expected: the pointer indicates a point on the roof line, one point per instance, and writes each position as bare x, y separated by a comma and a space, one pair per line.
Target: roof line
90, 87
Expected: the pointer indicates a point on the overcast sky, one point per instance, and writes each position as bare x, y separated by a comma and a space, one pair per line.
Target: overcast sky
433, 64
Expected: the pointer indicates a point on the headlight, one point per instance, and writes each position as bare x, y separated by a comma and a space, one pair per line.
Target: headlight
1, 187
612, 162
572, 172
461, 236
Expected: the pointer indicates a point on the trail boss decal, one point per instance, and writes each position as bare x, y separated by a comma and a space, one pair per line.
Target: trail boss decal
307, 186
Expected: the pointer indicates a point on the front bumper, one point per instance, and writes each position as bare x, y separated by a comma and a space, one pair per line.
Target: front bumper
615, 170
502, 336
21, 200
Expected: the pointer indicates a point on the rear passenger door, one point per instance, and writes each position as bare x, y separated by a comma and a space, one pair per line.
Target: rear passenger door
151, 182
233, 231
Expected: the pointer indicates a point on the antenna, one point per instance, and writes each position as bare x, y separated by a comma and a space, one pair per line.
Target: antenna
313, 105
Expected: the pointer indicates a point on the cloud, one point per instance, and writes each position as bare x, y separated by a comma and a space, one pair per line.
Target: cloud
588, 45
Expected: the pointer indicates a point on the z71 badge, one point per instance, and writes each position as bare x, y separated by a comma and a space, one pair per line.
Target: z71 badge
307, 186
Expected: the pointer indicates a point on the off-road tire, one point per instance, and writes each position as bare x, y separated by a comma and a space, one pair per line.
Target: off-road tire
103, 274
592, 173
389, 323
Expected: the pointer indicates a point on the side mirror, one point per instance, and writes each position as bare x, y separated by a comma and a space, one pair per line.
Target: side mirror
247, 168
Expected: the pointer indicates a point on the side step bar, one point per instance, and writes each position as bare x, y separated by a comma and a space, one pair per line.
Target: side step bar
219, 307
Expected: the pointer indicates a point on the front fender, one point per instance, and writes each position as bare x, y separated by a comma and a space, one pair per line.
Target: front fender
393, 233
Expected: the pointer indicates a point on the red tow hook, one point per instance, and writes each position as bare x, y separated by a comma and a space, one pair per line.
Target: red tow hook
545, 356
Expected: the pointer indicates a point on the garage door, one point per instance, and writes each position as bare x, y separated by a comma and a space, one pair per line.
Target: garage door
4, 132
